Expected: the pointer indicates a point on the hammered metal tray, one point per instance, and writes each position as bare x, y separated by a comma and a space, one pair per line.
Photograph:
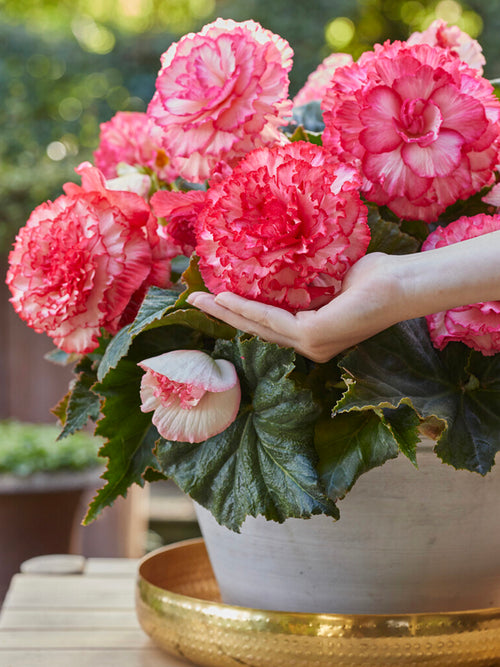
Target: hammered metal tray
179, 607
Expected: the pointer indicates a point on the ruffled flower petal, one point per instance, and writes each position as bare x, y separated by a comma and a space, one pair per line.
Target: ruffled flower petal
131, 138
476, 325
195, 368
79, 262
220, 93
420, 123
283, 228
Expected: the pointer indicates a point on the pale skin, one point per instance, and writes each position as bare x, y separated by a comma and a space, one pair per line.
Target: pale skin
378, 291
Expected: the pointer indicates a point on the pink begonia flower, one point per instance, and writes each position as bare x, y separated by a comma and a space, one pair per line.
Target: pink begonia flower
422, 126
477, 325
220, 93
439, 33
162, 249
493, 196
192, 395
283, 228
318, 81
131, 138
131, 181
79, 260
180, 210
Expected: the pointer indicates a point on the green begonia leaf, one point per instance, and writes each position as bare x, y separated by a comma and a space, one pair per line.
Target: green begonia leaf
265, 461
81, 403
349, 445
400, 366
156, 303
161, 308
404, 425
386, 236
129, 433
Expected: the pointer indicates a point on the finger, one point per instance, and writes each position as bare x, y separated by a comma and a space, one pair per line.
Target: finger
207, 303
275, 319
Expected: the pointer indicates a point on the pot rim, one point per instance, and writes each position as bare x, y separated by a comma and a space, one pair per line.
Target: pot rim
50, 481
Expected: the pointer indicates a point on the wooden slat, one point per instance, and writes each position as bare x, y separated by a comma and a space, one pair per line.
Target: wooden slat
114, 567
97, 658
70, 592
83, 619
102, 638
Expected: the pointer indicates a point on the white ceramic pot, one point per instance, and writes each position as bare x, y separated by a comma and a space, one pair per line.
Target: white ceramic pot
407, 541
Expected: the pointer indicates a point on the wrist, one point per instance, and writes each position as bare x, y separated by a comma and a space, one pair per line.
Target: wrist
448, 277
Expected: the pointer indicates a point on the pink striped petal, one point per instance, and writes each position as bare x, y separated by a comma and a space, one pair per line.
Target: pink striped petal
390, 170
439, 158
380, 135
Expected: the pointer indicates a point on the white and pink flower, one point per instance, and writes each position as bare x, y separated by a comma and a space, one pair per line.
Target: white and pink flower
439, 33
283, 228
220, 93
192, 396
78, 262
318, 81
493, 196
131, 138
180, 211
476, 325
422, 126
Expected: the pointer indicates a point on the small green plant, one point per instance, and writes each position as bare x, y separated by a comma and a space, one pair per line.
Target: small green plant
29, 448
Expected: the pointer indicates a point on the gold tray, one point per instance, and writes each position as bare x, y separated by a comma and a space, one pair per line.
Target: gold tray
179, 607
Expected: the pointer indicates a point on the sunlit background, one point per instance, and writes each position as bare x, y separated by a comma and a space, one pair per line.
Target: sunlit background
67, 65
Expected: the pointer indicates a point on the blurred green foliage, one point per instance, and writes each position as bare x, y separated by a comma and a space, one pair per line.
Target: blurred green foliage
67, 65
29, 448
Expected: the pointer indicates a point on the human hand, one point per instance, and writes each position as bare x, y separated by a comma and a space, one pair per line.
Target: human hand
370, 301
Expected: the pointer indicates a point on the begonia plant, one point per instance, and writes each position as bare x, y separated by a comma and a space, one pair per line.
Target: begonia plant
228, 184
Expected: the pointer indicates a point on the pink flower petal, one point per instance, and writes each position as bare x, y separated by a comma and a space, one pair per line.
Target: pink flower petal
213, 414
220, 93
194, 367
285, 220
439, 158
493, 196
476, 325
397, 179
383, 107
80, 261
439, 95
461, 113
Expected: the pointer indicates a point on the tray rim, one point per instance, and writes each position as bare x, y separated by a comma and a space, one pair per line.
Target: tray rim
394, 623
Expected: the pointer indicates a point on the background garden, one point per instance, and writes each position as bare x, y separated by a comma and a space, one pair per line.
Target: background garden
67, 65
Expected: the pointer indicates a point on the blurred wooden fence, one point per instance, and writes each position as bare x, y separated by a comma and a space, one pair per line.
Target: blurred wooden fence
29, 384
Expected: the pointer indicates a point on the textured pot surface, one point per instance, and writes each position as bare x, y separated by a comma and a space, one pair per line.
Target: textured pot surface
407, 541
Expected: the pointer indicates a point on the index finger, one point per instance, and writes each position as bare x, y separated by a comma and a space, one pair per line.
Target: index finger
270, 317
268, 322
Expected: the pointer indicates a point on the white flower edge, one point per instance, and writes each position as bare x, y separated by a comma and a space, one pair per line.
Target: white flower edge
216, 409
194, 367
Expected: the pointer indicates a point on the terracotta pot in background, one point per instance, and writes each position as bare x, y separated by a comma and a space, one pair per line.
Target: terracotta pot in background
41, 514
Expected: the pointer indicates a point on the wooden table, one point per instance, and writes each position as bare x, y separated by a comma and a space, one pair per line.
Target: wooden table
77, 620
